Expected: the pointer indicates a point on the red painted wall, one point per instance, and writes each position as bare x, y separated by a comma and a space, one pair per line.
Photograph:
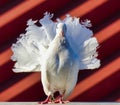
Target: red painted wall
98, 85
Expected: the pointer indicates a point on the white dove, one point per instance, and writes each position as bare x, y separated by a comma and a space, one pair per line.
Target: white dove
57, 49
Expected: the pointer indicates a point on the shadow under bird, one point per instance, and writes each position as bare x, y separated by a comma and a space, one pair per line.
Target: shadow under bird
58, 50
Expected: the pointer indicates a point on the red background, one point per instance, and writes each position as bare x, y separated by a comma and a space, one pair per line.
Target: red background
102, 84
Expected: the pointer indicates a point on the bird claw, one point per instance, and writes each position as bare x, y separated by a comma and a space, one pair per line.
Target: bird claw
47, 101
52, 102
43, 102
61, 102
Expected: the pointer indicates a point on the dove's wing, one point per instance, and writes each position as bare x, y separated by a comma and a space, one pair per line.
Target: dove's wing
31, 46
83, 43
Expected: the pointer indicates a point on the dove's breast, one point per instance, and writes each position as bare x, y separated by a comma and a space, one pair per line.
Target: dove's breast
59, 68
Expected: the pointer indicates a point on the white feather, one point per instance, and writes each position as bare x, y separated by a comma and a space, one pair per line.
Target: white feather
31, 46
57, 49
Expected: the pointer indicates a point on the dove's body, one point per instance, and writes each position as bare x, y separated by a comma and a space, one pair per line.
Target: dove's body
57, 49
60, 69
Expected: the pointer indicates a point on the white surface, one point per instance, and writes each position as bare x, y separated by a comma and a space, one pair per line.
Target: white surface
71, 103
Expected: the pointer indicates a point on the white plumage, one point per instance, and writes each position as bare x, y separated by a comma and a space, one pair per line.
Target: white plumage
59, 50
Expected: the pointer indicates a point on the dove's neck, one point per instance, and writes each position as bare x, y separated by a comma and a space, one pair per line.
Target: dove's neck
60, 39
59, 42
60, 33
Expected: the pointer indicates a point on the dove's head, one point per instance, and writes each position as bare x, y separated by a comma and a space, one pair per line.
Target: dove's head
60, 38
61, 29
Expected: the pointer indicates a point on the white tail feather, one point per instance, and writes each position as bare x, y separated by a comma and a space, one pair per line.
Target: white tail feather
30, 48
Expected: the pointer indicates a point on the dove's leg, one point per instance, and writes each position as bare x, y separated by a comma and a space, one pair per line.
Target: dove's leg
60, 100
47, 100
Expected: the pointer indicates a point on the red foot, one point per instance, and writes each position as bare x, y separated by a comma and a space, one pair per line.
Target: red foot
60, 100
44, 102
47, 101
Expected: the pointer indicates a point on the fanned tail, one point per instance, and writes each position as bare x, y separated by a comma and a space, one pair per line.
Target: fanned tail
30, 47
82, 42
88, 54
49, 26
